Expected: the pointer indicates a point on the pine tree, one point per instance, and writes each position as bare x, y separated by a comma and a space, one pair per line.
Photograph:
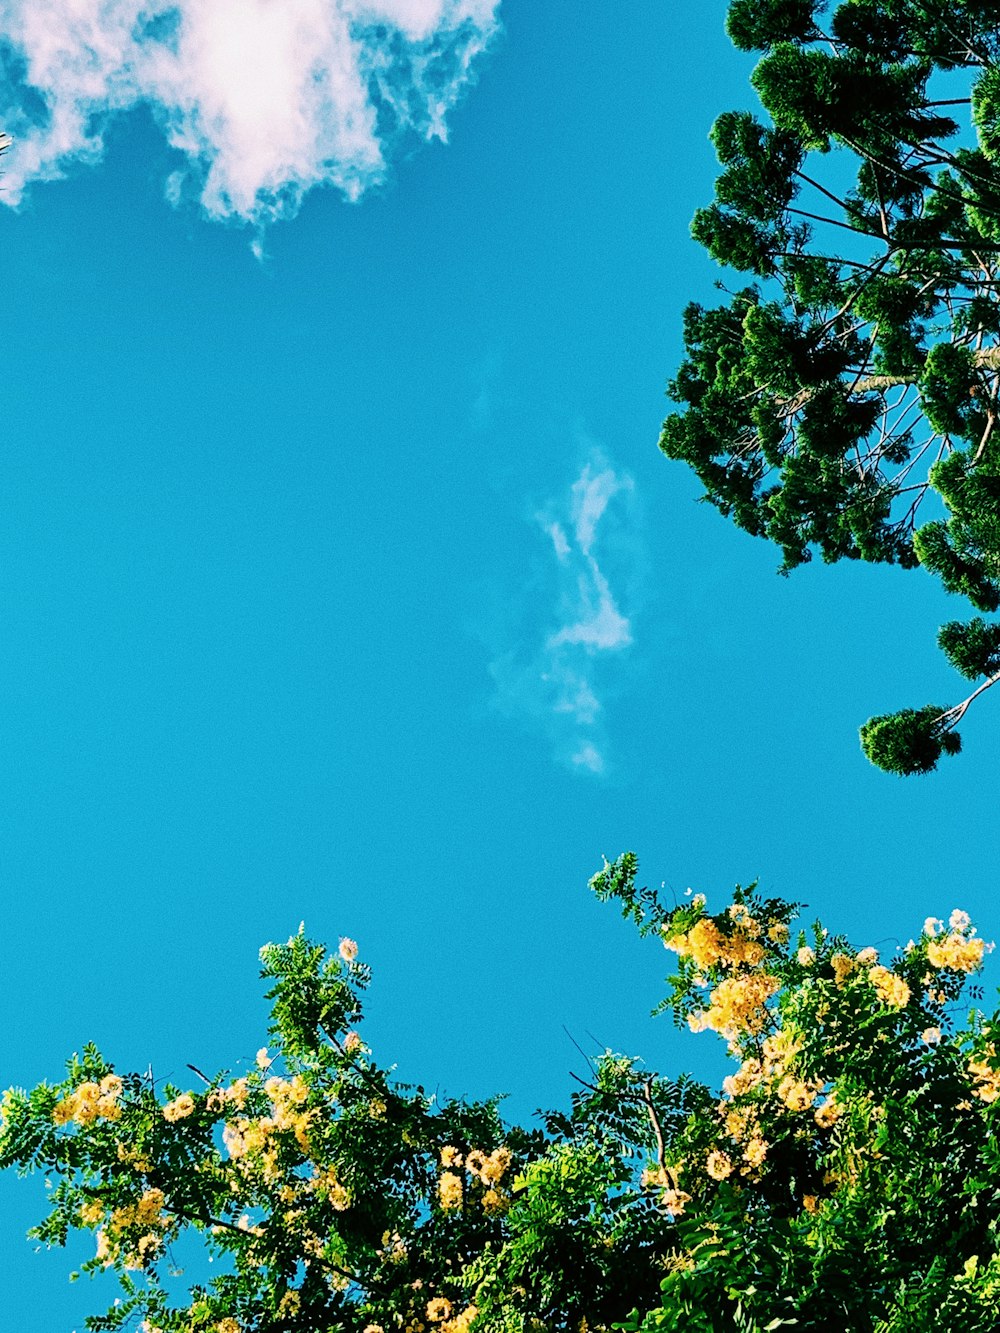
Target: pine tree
845, 400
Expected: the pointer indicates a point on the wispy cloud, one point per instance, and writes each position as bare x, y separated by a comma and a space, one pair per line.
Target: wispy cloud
558, 673
264, 98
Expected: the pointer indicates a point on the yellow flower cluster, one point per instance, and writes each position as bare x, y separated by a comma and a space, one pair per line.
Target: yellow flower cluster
797, 1094
737, 1005
755, 1152
491, 1169
290, 1305
288, 1097
667, 1178
843, 966
393, 1247
91, 1212
707, 946
891, 989
987, 1078
958, 951
179, 1108
328, 1186
438, 1309
828, 1113
250, 1143
145, 1213
461, 1322
746, 1077
488, 1168
719, 1165
90, 1101
495, 1201
450, 1190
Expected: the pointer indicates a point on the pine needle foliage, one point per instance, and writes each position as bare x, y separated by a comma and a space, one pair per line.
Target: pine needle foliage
854, 375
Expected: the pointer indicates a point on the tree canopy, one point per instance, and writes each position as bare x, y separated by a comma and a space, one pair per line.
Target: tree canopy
844, 401
843, 1176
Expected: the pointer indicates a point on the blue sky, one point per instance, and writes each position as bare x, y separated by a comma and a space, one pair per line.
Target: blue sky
341, 579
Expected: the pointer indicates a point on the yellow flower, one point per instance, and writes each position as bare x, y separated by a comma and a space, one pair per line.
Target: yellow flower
232, 1138
495, 1166
227, 1325
795, 1094
737, 1005
64, 1111
450, 1190
495, 1201
150, 1206
779, 1050
956, 952
718, 1165
475, 1161
892, 989
739, 1120
179, 1108
373, 1328
340, 1198
451, 1157
806, 956
91, 1212
987, 1078
437, 1309
868, 956
930, 1036
843, 966
238, 1091
746, 1077
264, 1061
352, 1041
290, 1304
755, 1151
828, 1113
674, 1201
111, 1086
810, 1203
778, 933
348, 950
148, 1245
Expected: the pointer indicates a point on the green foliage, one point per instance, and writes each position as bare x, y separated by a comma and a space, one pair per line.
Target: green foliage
846, 1176
972, 648
910, 741
861, 374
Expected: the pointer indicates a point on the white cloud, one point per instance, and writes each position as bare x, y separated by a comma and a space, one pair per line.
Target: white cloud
557, 673
265, 98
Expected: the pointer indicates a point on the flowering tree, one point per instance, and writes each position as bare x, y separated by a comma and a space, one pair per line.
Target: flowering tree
846, 1176
851, 383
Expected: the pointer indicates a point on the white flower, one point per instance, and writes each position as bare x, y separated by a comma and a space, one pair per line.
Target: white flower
932, 925
931, 1036
806, 956
959, 920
